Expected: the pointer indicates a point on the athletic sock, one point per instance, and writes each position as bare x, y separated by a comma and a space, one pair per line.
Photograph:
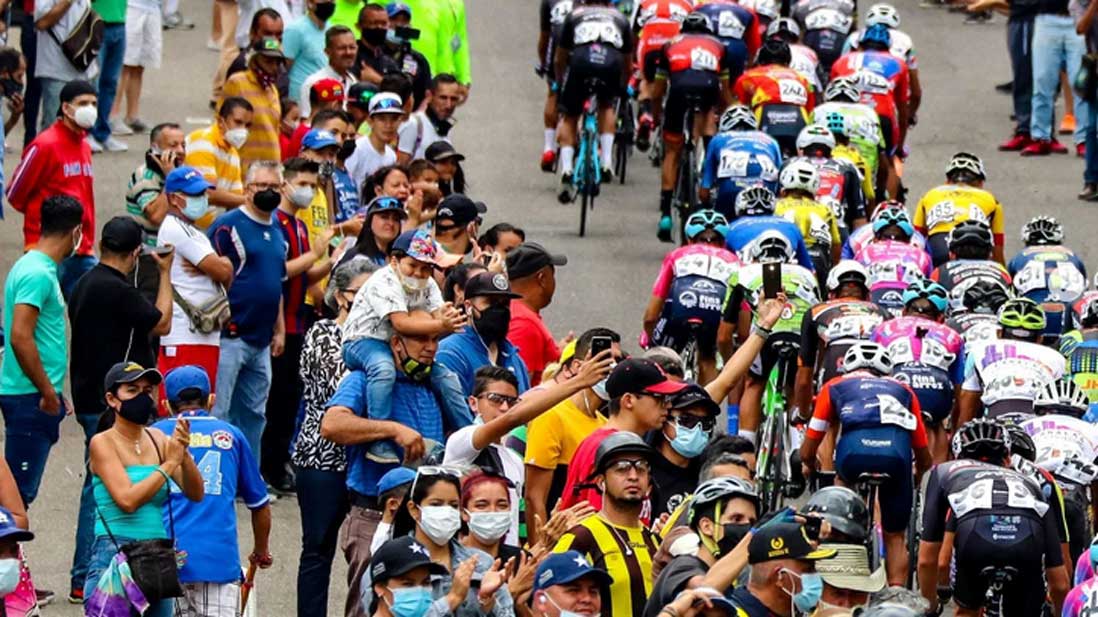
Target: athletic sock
567, 159
550, 140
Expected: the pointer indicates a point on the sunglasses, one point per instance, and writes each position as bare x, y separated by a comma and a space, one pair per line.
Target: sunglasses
688, 421
434, 470
661, 399
501, 399
386, 104
624, 465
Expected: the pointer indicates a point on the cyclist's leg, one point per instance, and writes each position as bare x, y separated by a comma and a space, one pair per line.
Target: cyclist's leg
610, 89
755, 387
672, 137
571, 104
707, 353
550, 117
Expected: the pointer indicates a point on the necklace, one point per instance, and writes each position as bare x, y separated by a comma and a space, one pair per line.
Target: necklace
136, 442
624, 541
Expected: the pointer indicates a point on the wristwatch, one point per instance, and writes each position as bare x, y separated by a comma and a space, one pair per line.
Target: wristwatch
764, 333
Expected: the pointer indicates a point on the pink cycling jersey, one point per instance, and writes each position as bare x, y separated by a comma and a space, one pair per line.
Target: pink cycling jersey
704, 260
892, 264
917, 339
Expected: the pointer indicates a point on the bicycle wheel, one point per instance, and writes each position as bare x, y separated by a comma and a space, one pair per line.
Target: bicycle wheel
623, 139
680, 200
690, 360
584, 199
771, 446
914, 533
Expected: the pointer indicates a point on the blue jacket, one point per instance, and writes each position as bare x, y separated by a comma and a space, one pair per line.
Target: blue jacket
464, 352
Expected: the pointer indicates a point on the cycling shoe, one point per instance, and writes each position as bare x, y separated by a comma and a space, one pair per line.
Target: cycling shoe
664, 233
565, 196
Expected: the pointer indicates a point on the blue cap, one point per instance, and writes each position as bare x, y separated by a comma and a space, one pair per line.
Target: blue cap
394, 478
397, 8
186, 180
9, 530
187, 377
317, 139
417, 244
561, 568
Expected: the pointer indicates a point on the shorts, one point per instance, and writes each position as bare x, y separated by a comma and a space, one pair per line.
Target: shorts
736, 50
675, 334
144, 38
931, 386
992, 540
828, 46
209, 600
699, 88
607, 86
172, 356
768, 357
937, 244
890, 132
882, 449
1054, 322
649, 62
783, 122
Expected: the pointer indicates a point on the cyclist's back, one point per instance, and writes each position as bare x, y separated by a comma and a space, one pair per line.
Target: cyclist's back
892, 266
780, 97
1054, 277
944, 206
833, 327
883, 79
957, 275
863, 237
902, 46
825, 23
1080, 349
736, 160
927, 356
745, 230
840, 190
693, 283
816, 222
656, 33
1008, 373
552, 15
647, 10
737, 28
863, 128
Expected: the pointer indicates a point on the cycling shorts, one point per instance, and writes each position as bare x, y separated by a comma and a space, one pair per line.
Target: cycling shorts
576, 88
938, 247
649, 63
675, 334
737, 55
1055, 313
768, 357
881, 449
783, 122
891, 133
821, 262
1075, 511
828, 46
701, 88
994, 540
931, 386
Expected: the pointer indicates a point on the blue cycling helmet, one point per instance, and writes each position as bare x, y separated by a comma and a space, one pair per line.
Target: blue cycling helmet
836, 123
893, 216
706, 219
928, 290
877, 33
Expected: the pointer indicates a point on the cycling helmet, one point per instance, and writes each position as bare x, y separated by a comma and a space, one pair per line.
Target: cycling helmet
800, 175
769, 247
836, 123
970, 233
887, 217
755, 201
815, 135
1042, 230
1022, 313
1088, 314
866, 355
843, 89
985, 295
965, 162
767, 8
738, 118
847, 271
929, 290
883, 14
721, 490
888, 204
843, 508
706, 219
698, 23
784, 26
877, 33
981, 439
1061, 396
1021, 444
774, 51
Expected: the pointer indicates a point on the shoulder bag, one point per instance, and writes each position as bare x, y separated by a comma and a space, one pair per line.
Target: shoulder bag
211, 316
81, 46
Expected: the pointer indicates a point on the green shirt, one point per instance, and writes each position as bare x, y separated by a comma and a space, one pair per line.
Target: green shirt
112, 11
33, 281
443, 39
798, 283
346, 14
145, 185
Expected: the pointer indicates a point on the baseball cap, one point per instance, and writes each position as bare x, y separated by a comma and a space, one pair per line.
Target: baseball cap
849, 569
637, 375
442, 150
397, 8
563, 568
460, 210
186, 379
568, 352
489, 284
360, 93
417, 244
783, 541
328, 90
400, 556
129, 372
9, 530
384, 203
186, 180
694, 395
270, 47
617, 444
529, 257
318, 139
386, 103
122, 234
394, 478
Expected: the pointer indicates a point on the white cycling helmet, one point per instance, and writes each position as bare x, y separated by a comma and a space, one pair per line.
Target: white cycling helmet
1064, 396
865, 355
844, 89
801, 175
783, 24
815, 135
755, 201
770, 246
847, 271
966, 162
883, 13
738, 118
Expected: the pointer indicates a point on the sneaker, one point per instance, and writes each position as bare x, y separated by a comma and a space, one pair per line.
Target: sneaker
664, 231
76, 596
118, 127
1016, 143
978, 19
1067, 125
44, 597
1040, 147
565, 196
1005, 88
137, 125
382, 452
213, 45
1089, 192
95, 146
1056, 147
644, 132
548, 161
1080, 150
113, 145
607, 175
176, 20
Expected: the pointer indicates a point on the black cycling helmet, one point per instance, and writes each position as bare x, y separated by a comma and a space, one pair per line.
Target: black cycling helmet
616, 444
697, 23
985, 295
971, 233
981, 439
844, 509
720, 490
774, 51
1021, 443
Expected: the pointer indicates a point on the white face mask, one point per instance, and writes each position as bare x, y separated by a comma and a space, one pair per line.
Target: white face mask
564, 613
440, 523
9, 575
302, 196
489, 526
236, 137
85, 116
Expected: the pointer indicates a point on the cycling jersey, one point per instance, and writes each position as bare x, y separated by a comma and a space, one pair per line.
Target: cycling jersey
692, 282
807, 64
1052, 276
744, 231
863, 237
974, 326
832, 327
883, 80
927, 356
737, 27
943, 207
816, 221
850, 154
892, 266
840, 189
1010, 373
736, 160
1080, 304
664, 9
1080, 348
900, 46
696, 65
552, 15
1067, 447
1082, 600
825, 24
771, 84
653, 36
599, 40
958, 275
863, 126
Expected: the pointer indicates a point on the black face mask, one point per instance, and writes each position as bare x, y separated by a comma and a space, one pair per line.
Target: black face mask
138, 409
267, 200
10, 87
324, 10
492, 323
414, 369
374, 37
733, 533
346, 149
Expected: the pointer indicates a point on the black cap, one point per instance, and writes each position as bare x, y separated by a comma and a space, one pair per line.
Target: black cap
637, 375
75, 88
360, 94
489, 284
617, 444
694, 395
529, 257
459, 210
400, 556
783, 541
440, 151
122, 234
129, 372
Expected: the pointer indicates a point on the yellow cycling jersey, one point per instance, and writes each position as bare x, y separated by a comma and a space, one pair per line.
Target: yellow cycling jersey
815, 220
943, 207
849, 153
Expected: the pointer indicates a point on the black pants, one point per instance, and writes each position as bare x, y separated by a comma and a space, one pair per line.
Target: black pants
282, 404
32, 97
322, 498
1020, 45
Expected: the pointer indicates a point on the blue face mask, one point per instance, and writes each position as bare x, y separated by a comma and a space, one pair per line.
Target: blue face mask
9, 575
689, 442
197, 207
811, 589
410, 601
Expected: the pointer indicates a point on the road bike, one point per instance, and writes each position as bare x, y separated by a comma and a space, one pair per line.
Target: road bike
624, 137
690, 353
684, 199
998, 578
773, 471
869, 486
588, 175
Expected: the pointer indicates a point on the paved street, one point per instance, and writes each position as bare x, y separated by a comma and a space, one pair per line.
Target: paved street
608, 279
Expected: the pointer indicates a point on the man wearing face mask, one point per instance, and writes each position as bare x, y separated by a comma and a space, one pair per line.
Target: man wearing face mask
783, 573
257, 85
304, 40
213, 152
456, 222
565, 585
372, 59
424, 128
10, 558
680, 443
401, 573
340, 48
405, 59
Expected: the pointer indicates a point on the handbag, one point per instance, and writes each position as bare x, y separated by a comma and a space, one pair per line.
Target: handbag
153, 563
81, 46
1086, 80
211, 316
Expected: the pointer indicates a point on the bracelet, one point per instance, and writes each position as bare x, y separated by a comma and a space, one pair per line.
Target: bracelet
761, 332
167, 478
669, 610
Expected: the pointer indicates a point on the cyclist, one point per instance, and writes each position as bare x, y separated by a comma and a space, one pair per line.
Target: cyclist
738, 157
844, 95
797, 202
594, 54
927, 355
961, 198
901, 47
880, 428
655, 33
840, 186
779, 96
862, 236
1080, 348
738, 28
766, 11
1048, 273
825, 24
646, 10
993, 517
552, 15
883, 81
693, 72
893, 262
802, 58
687, 295
754, 218
977, 319
1004, 375
836, 124
745, 289
970, 244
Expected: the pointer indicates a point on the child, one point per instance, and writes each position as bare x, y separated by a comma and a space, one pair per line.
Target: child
291, 118
381, 309
391, 490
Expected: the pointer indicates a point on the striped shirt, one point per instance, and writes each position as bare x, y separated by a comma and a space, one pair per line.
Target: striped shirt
262, 144
215, 159
146, 184
624, 552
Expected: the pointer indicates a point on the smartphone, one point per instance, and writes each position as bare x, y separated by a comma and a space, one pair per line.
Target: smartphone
812, 526
159, 250
600, 344
772, 279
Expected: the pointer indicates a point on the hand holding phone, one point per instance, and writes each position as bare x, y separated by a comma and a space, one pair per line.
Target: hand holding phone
600, 344
772, 279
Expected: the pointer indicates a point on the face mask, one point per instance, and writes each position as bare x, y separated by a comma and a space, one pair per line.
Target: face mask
733, 533
415, 370
564, 613
492, 323
412, 284
236, 137
489, 526
410, 601
9, 575
10, 87
302, 196
811, 589
85, 116
138, 409
346, 149
197, 206
374, 36
600, 390
267, 200
440, 523
324, 10
689, 442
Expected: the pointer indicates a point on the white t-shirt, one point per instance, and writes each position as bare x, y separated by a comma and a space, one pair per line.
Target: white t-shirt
416, 134
327, 72
381, 296
51, 62
460, 451
248, 9
197, 289
365, 160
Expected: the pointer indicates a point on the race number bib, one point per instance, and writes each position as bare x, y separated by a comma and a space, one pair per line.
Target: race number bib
734, 164
560, 12
598, 31
893, 412
1030, 278
872, 83
884, 272
1019, 496
828, 19
729, 26
769, 169
703, 60
792, 91
940, 213
901, 352
978, 496
1066, 283
976, 213
935, 354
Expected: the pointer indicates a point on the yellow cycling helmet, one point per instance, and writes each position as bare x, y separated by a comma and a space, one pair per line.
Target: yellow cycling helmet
1022, 313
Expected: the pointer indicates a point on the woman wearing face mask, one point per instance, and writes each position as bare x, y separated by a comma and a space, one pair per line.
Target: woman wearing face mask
486, 511
402, 579
132, 467
383, 220
680, 442
11, 534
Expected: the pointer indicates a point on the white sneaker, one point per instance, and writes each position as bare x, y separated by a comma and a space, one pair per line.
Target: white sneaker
113, 145
213, 45
95, 146
118, 127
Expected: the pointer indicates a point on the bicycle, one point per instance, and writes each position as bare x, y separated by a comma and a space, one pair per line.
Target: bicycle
997, 580
624, 137
869, 486
773, 471
684, 199
690, 354
587, 175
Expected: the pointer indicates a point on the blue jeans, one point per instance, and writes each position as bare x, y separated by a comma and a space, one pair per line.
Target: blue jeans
29, 433
1056, 47
243, 383
51, 100
72, 269
322, 498
103, 551
1090, 172
85, 520
110, 68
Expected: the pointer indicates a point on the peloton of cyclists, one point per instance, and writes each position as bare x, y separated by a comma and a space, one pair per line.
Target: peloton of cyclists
961, 198
754, 217
892, 261
738, 157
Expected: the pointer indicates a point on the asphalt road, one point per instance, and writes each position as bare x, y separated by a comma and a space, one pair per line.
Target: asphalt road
608, 278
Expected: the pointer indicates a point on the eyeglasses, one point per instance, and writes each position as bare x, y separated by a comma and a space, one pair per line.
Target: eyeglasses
661, 399
688, 421
263, 187
624, 465
434, 470
501, 399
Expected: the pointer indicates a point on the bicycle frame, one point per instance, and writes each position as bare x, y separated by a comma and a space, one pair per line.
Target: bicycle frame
998, 579
772, 467
869, 486
588, 173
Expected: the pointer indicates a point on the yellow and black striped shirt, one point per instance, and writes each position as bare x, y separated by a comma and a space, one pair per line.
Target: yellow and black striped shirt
624, 552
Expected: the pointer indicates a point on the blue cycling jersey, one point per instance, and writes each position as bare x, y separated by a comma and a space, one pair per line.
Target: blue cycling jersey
746, 229
732, 24
736, 160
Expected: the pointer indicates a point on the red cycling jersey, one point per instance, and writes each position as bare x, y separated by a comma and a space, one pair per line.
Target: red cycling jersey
693, 52
883, 79
663, 9
653, 36
774, 84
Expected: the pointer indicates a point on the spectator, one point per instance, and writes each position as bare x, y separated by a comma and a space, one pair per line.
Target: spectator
288, 127
680, 443
340, 47
266, 22
256, 332
372, 59
501, 238
131, 483
223, 26
379, 230
13, 72
402, 566
409, 62
146, 200
111, 55
1056, 46
566, 584
424, 177
214, 153
257, 86
489, 511
12, 532
453, 288
1086, 25
52, 70
32, 97
348, 209
392, 488
320, 466
532, 270
326, 98
49, 168
304, 40
778, 574
144, 46
457, 219
433, 124
372, 152
111, 323
358, 105
447, 161
848, 577
392, 181
199, 276
320, 146
33, 371
206, 529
